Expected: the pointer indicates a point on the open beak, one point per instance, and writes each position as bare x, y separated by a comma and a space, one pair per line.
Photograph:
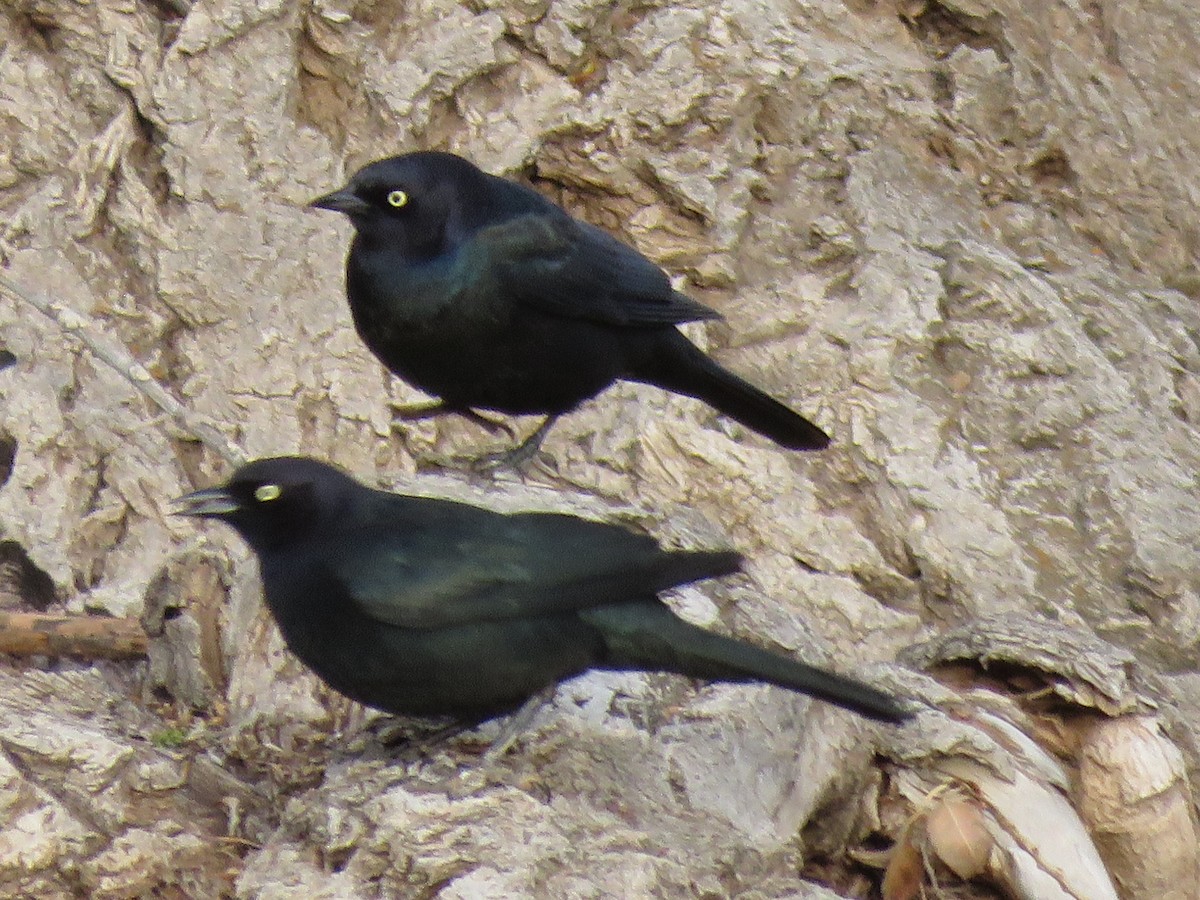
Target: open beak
343, 201
209, 503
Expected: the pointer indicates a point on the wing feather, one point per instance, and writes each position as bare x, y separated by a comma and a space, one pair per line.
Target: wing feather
569, 268
441, 574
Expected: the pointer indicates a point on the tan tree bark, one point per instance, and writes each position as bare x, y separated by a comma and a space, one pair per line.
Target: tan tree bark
961, 233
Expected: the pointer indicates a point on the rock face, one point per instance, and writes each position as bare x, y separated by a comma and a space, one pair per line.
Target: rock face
961, 234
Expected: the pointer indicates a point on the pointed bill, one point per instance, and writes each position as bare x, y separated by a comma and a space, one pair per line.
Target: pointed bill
205, 504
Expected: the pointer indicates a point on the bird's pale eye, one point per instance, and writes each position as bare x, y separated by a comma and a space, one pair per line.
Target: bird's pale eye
397, 198
264, 493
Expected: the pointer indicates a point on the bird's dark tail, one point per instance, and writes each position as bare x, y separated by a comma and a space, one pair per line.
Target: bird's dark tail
649, 636
685, 566
678, 365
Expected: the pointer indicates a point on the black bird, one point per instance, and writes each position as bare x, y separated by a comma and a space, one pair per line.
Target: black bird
420, 606
483, 293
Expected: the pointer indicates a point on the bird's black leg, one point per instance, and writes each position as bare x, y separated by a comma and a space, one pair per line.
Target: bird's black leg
518, 723
516, 458
494, 426
519, 456
399, 733
414, 412
410, 739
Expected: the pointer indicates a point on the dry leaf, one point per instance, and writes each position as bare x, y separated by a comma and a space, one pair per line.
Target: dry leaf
906, 867
959, 837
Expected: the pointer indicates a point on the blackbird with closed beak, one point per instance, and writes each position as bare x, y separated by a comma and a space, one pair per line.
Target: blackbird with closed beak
485, 294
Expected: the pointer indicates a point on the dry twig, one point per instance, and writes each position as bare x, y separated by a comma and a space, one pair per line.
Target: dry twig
91, 335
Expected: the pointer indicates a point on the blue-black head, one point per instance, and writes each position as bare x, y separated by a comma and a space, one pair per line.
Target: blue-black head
418, 201
274, 502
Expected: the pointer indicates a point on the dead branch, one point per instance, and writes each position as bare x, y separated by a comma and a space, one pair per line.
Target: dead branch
88, 637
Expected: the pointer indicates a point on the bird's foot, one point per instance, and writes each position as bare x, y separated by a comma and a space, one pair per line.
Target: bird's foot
517, 724
416, 412
402, 736
520, 457
483, 469
400, 733
470, 780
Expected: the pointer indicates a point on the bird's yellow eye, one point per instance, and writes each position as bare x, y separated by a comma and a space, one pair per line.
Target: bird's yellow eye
266, 492
397, 198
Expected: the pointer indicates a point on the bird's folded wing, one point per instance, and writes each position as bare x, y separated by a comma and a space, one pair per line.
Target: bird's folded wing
569, 268
534, 565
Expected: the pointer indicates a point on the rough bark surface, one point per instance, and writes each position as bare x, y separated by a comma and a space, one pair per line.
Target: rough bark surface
962, 234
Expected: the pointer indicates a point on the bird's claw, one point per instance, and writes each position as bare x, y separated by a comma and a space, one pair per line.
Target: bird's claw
517, 724
520, 456
416, 412
519, 459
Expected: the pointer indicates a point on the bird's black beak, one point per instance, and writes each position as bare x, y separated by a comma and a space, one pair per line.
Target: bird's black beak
207, 504
343, 201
